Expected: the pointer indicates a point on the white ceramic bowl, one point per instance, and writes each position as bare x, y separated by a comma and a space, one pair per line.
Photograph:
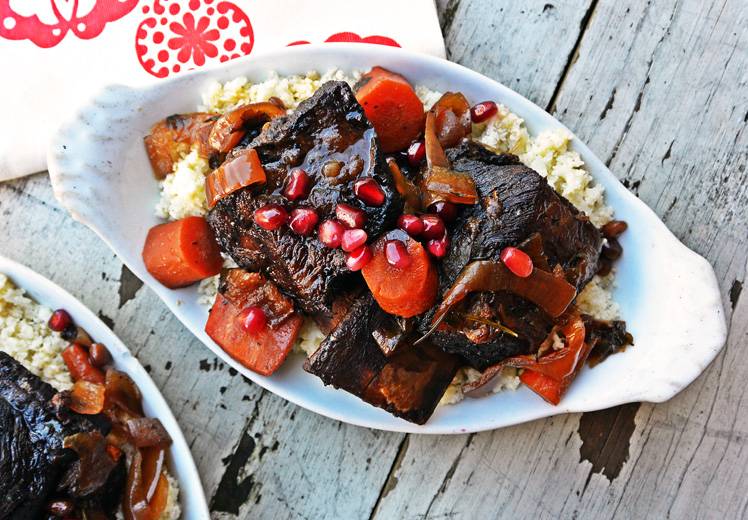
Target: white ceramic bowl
180, 463
668, 294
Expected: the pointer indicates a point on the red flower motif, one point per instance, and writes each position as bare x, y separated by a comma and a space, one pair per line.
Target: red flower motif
193, 40
178, 35
85, 25
353, 38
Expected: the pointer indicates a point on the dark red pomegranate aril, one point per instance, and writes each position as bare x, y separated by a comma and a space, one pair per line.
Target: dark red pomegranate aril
438, 247
299, 185
445, 209
433, 227
331, 233
416, 153
60, 320
483, 111
517, 261
411, 224
369, 192
396, 253
252, 319
271, 217
359, 258
303, 220
350, 217
353, 239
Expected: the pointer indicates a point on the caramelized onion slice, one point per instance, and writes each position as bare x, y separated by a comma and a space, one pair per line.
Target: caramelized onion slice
443, 184
147, 489
435, 155
123, 393
551, 294
439, 182
452, 119
407, 189
229, 128
147, 432
244, 169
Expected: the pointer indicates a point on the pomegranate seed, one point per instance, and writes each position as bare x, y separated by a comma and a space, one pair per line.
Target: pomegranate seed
445, 209
416, 153
299, 185
99, 355
359, 258
438, 247
396, 253
517, 261
59, 320
350, 217
433, 227
411, 224
252, 319
271, 216
331, 233
353, 239
303, 220
369, 191
483, 111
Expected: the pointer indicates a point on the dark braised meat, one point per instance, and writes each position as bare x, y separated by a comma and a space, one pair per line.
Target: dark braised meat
611, 338
328, 137
34, 423
408, 384
515, 202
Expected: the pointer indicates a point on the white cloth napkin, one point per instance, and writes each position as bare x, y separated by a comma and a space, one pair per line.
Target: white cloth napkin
56, 53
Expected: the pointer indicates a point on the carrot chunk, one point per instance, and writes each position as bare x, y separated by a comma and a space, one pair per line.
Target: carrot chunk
393, 108
403, 291
80, 367
262, 351
182, 252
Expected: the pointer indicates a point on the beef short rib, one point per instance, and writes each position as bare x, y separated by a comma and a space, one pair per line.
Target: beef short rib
329, 137
515, 202
408, 384
33, 426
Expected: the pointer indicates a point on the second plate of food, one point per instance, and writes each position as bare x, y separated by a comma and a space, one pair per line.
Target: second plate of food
667, 295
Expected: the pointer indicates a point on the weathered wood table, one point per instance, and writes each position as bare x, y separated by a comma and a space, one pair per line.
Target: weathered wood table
659, 91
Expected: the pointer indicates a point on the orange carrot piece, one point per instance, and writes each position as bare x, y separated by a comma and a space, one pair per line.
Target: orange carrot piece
393, 108
87, 398
80, 367
182, 252
244, 169
262, 351
404, 292
171, 136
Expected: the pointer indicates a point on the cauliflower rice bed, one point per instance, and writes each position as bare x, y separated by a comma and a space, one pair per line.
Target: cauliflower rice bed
183, 192
25, 336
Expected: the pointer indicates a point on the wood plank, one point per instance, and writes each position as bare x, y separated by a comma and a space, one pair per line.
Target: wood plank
508, 41
654, 91
256, 453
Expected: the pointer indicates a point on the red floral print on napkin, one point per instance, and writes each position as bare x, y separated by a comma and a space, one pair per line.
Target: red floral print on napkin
185, 35
46, 22
354, 38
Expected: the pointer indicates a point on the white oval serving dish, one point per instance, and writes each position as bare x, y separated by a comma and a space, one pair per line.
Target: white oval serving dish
668, 294
180, 462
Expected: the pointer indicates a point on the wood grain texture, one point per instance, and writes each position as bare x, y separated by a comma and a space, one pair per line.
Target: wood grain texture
659, 91
526, 46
